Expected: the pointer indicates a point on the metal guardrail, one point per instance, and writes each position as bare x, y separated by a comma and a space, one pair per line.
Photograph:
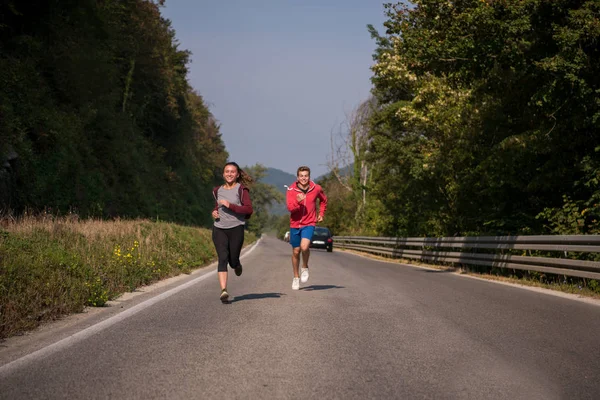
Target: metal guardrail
492, 251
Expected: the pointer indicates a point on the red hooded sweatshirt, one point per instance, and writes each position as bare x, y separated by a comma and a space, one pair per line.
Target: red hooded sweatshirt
303, 213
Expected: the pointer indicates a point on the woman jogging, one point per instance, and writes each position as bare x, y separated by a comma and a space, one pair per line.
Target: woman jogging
232, 207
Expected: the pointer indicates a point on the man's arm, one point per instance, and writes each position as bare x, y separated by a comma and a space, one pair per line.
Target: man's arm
322, 204
292, 201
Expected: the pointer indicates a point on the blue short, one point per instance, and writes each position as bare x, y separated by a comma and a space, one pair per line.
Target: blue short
297, 234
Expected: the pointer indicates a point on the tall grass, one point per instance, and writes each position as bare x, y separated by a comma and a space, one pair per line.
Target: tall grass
51, 266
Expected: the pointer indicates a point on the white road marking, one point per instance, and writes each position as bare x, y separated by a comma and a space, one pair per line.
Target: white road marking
556, 293
92, 330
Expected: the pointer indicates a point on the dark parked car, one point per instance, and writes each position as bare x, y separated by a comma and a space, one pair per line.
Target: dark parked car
322, 239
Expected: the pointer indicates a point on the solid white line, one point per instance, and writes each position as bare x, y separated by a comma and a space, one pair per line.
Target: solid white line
92, 330
550, 292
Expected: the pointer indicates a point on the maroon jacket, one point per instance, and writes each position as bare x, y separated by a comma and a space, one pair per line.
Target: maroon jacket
245, 208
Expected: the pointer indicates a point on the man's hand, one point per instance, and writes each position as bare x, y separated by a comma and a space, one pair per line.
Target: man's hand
300, 197
215, 214
320, 218
224, 203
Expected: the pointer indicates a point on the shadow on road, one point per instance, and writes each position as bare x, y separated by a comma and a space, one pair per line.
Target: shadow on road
437, 271
255, 296
321, 287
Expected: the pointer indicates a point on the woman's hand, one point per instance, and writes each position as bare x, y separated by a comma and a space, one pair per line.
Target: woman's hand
215, 214
300, 197
224, 203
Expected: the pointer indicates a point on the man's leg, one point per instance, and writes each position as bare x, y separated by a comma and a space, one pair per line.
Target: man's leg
295, 243
295, 265
307, 234
296, 261
305, 249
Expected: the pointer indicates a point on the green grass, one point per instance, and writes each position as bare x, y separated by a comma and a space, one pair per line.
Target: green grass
51, 267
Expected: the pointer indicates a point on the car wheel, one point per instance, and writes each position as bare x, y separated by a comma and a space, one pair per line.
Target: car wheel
329, 249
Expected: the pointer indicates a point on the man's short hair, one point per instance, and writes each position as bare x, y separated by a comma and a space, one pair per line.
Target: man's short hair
303, 168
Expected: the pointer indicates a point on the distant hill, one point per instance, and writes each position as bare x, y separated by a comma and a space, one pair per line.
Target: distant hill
278, 178
347, 170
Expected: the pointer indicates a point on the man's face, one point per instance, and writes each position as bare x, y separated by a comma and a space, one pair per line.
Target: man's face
303, 178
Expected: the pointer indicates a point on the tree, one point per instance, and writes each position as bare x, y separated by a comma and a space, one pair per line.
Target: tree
263, 196
348, 161
487, 111
97, 116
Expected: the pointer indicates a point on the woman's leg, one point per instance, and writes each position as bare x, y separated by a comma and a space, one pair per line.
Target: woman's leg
221, 241
236, 241
223, 279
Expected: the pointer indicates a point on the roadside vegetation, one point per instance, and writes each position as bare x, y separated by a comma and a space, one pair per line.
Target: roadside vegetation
97, 115
53, 266
483, 121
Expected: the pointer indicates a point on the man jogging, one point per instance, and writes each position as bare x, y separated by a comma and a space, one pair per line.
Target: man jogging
301, 201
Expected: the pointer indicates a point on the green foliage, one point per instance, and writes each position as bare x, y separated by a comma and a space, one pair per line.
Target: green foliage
263, 197
487, 119
341, 206
98, 295
280, 224
49, 269
577, 217
96, 105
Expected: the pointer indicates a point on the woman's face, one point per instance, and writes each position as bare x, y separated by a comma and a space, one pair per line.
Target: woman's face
230, 174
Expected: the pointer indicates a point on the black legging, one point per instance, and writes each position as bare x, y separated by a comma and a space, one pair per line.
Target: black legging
228, 243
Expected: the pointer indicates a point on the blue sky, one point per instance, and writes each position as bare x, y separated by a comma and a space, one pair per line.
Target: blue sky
279, 76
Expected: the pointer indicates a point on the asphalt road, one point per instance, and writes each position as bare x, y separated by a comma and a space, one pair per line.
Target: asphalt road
358, 329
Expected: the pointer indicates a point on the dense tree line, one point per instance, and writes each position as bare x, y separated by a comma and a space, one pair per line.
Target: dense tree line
97, 115
486, 120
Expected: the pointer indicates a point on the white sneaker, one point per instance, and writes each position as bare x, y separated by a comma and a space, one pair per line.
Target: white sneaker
303, 275
296, 284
